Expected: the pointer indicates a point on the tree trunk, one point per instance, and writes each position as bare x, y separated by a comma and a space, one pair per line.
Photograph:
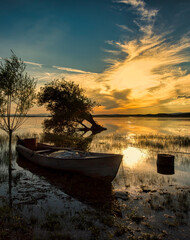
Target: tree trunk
10, 188
10, 152
10, 169
95, 128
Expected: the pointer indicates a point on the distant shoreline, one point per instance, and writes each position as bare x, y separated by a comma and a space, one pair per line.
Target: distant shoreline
159, 115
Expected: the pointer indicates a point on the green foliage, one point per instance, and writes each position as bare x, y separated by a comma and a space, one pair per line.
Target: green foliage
65, 98
17, 93
67, 104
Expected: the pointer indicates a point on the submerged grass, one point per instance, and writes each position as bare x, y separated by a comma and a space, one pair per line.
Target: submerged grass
117, 142
162, 141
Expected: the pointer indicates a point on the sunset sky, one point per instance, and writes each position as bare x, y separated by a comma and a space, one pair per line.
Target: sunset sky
131, 56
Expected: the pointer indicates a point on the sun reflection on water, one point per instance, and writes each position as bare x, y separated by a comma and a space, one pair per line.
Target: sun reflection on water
133, 156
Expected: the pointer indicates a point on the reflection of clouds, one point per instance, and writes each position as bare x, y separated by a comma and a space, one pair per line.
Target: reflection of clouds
146, 126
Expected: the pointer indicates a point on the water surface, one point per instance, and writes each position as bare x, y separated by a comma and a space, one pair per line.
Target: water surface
147, 189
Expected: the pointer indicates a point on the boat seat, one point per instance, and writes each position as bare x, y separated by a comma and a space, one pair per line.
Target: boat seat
44, 151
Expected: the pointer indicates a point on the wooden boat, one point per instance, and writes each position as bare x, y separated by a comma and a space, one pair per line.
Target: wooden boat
96, 165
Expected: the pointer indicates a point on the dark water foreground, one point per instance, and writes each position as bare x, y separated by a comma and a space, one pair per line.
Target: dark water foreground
143, 202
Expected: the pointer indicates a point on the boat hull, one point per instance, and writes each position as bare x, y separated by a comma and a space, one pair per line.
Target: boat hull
97, 165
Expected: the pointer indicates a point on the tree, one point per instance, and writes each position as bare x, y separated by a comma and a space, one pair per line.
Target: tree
17, 94
68, 106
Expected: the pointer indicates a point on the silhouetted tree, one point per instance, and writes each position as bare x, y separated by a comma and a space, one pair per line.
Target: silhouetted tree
68, 106
17, 93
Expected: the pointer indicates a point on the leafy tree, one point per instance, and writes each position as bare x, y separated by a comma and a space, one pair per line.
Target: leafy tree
17, 93
68, 106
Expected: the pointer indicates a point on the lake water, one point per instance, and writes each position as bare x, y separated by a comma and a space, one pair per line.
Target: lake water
139, 140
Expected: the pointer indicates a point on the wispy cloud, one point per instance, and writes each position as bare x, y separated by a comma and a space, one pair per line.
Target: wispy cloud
149, 78
33, 63
124, 27
111, 99
140, 7
114, 52
152, 68
184, 96
121, 95
87, 80
70, 69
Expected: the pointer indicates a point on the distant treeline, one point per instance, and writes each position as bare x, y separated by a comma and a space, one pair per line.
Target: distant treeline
146, 115
127, 115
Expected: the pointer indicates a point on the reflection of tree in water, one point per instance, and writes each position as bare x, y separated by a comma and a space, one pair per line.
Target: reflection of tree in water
4, 150
63, 133
59, 123
73, 139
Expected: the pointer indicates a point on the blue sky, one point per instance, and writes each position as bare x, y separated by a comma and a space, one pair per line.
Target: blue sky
70, 33
131, 56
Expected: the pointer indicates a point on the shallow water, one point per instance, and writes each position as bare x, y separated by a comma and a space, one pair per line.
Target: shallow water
140, 183
140, 140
